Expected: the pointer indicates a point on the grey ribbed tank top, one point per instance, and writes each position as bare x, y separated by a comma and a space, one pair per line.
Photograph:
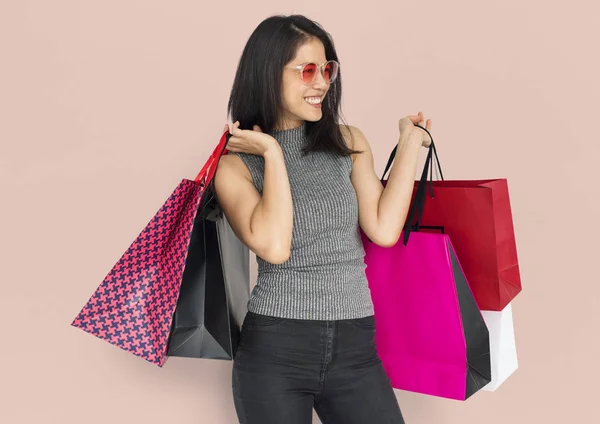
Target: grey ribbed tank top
324, 278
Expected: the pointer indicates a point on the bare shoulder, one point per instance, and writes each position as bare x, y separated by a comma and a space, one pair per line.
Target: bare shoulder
231, 162
355, 139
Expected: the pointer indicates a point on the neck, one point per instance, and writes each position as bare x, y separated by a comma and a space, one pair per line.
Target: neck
289, 125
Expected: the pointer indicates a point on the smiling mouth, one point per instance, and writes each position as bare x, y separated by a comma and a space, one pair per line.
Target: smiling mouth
314, 101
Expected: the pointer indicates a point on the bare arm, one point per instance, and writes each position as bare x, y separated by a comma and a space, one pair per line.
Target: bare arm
395, 198
263, 223
383, 211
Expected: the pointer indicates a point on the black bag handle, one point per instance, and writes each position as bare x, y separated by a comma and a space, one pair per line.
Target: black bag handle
393, 155
419, 199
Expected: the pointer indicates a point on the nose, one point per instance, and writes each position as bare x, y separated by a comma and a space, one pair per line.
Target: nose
320, 81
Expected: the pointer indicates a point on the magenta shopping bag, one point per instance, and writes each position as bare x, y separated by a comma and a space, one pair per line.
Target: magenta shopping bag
431, 335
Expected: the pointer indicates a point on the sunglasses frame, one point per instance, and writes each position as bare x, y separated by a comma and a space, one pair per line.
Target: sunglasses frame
320, 67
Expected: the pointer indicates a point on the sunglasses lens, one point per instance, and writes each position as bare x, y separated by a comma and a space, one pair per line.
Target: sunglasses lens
330, 71
309, 73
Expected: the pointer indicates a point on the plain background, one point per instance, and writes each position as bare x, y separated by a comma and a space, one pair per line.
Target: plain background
106, 105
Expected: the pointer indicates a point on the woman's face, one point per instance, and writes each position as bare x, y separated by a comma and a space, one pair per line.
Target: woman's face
295, 92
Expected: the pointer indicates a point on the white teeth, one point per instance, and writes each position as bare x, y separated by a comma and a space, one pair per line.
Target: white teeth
313, 100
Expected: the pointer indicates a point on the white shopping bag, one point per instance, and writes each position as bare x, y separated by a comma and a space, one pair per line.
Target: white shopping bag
503, 350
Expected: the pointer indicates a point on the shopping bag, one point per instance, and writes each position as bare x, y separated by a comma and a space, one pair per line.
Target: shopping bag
477, 216
430, 334
215, 289
502, 345
133, 307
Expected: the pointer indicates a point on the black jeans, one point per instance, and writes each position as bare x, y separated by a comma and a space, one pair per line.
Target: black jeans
286, 367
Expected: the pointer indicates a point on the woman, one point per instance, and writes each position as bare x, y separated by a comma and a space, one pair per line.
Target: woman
295, 189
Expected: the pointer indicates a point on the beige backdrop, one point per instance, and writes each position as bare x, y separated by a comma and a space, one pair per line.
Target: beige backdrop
107, 105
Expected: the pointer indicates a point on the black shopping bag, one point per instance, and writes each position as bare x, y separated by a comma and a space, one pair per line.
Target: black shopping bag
215, 287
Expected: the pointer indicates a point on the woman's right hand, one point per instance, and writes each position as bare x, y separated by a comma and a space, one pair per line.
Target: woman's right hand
253, 142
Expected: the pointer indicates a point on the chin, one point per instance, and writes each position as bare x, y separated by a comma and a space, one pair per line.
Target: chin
313, 117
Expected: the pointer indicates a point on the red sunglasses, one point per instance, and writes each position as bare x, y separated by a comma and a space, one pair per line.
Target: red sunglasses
308, 71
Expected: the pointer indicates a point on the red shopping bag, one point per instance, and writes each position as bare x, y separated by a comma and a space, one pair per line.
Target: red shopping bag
477, 216
134, 305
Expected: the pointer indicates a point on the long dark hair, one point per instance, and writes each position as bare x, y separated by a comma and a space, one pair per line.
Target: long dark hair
256, 94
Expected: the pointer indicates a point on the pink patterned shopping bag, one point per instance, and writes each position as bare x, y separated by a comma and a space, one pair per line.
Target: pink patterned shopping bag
133, 306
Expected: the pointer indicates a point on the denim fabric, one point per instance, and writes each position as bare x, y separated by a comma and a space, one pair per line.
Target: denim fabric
286, 367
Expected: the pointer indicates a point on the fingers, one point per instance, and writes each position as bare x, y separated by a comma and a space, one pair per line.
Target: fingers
237, 135
420, 120
235, 129
417, 119
234, 132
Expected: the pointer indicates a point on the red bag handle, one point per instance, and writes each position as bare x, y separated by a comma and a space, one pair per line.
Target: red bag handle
214, 158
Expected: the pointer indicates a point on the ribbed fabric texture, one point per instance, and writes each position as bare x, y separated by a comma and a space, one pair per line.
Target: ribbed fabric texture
324, 278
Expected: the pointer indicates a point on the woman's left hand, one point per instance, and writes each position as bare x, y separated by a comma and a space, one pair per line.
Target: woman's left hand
408, 130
